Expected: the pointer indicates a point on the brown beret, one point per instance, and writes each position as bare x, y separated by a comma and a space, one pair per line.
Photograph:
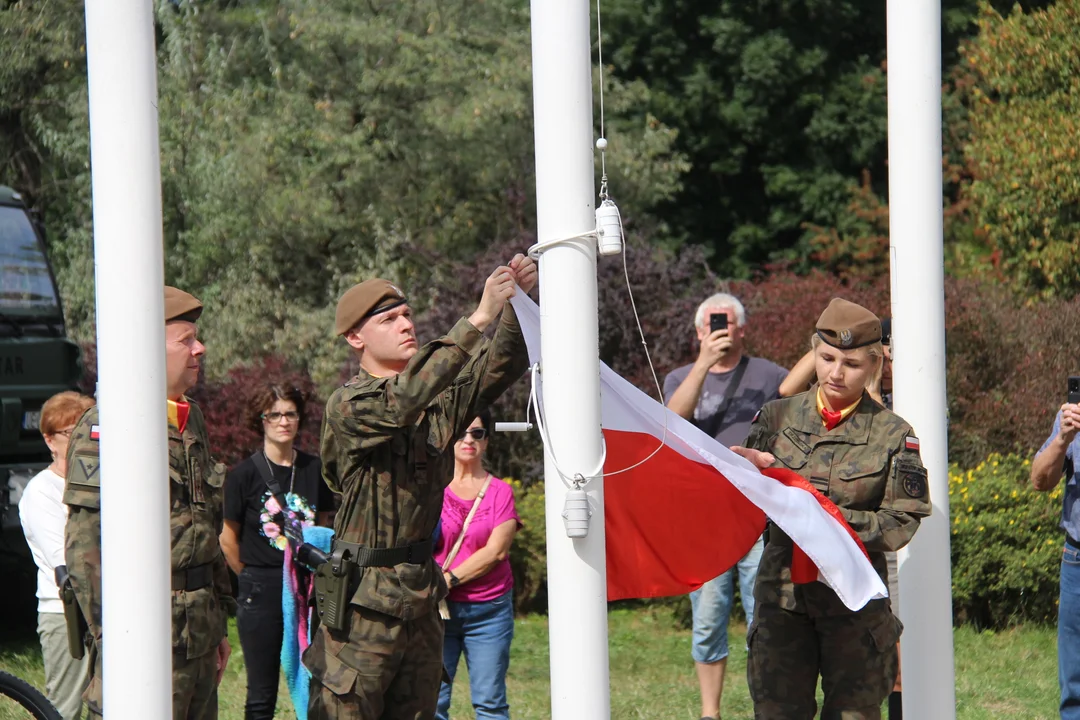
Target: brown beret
370, 297
180, 305
846, 325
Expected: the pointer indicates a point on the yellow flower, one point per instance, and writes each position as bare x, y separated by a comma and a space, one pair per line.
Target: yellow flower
970, 508
981, 528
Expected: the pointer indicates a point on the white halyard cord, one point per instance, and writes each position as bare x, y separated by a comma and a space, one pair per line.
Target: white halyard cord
579, 480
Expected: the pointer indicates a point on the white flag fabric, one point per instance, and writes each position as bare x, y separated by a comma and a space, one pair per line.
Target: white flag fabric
693, 509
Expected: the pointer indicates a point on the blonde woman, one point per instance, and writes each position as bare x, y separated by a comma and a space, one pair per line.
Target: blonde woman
865, 460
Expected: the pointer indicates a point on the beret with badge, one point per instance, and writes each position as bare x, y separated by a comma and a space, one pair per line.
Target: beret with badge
180, 305
847, 326
360, 302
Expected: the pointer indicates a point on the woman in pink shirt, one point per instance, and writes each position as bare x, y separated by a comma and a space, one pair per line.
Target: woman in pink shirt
481, 600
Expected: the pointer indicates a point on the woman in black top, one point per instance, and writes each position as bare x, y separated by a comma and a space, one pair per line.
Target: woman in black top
252, 539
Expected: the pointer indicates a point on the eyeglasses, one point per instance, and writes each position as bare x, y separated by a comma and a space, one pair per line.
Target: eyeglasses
291, 416
65, 433
476, 433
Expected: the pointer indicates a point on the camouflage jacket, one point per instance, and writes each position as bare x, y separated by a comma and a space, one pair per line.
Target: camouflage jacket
868, 465
195, 500
387, 448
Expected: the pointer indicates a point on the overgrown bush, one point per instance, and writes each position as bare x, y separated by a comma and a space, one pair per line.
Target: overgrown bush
1006, 544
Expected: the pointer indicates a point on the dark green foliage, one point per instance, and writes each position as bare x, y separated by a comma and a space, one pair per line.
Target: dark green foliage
1006, 544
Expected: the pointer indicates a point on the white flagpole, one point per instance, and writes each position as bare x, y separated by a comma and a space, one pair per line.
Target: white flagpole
918, 326
126, 180
577, 585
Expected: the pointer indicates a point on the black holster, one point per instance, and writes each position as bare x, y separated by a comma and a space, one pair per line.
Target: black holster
333, 579
73, 617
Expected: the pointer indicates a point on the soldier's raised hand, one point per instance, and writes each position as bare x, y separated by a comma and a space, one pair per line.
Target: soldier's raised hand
498, 288
525, 272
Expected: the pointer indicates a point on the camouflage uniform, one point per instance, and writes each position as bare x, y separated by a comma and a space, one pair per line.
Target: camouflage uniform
387, 447
869, 466
200, 579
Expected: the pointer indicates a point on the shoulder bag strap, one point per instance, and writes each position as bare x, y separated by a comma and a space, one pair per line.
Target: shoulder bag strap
465, 526
290, 530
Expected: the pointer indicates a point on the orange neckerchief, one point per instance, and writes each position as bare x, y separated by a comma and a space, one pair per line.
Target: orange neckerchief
832, 418
178, 413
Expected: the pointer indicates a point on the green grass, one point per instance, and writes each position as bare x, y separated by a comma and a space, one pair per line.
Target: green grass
1010, 674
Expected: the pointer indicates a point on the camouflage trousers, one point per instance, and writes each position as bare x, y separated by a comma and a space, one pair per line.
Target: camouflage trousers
855, 654
381, 668
194, 691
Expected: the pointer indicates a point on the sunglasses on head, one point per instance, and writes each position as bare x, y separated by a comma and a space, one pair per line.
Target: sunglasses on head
476, 433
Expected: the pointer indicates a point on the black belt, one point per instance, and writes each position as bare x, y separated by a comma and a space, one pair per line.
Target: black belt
363, 556
1070, 542
193, 578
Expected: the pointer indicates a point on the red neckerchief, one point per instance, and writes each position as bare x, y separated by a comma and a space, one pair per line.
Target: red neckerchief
831, 418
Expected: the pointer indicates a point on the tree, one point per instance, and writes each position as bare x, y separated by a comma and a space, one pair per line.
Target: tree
780, 105
1022, 145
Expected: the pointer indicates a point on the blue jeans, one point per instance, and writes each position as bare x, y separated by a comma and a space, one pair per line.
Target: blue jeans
711, 606
1069, 634
483, 630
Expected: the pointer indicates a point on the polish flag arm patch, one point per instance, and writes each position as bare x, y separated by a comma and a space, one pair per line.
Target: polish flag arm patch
911, 443
95, 432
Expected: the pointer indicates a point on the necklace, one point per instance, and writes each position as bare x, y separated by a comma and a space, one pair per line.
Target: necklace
292, 468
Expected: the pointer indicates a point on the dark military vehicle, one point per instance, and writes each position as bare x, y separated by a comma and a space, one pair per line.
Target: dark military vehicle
36, 361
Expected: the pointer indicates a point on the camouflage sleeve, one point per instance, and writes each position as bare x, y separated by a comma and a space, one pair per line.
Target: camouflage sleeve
371, 413
905, 504
489, 374
761, 430
82, 535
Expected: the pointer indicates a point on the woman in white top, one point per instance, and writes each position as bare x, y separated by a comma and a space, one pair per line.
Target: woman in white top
43, 516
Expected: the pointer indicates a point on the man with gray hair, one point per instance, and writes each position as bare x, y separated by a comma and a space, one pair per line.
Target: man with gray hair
721, 393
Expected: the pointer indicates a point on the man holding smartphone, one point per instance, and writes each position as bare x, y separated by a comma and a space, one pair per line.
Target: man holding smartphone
721, 393
1056, 459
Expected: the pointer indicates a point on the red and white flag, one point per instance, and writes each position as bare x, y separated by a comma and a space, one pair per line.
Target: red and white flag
695, 508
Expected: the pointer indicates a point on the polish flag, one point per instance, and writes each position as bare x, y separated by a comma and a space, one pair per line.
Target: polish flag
694, 509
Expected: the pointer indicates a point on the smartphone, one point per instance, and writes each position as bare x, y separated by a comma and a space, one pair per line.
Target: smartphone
718, 321
1074, 390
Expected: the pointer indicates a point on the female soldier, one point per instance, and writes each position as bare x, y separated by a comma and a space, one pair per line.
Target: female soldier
865, 459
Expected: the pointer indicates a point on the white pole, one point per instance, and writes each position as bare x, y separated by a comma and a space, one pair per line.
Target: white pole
126, 181
918, 326
569, 350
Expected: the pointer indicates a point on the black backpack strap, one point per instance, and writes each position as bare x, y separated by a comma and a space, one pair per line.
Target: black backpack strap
290, 529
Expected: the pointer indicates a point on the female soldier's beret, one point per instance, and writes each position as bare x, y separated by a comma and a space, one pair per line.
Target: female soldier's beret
846, 325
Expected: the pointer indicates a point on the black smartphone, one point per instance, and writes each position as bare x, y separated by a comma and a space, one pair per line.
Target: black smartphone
717, 321
1074, 390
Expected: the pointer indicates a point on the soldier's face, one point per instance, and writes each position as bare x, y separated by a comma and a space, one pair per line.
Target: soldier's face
387, 340
183, 354
843, 375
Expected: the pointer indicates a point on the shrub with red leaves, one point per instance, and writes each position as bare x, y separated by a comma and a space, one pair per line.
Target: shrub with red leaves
225, 407
224, 404
1006, 362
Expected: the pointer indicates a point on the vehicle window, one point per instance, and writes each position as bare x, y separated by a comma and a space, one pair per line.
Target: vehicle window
26, 287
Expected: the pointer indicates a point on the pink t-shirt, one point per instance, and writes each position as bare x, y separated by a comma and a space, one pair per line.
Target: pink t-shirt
496, 508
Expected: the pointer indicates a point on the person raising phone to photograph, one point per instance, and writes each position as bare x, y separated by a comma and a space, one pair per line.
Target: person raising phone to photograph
720, 393
1057, 459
